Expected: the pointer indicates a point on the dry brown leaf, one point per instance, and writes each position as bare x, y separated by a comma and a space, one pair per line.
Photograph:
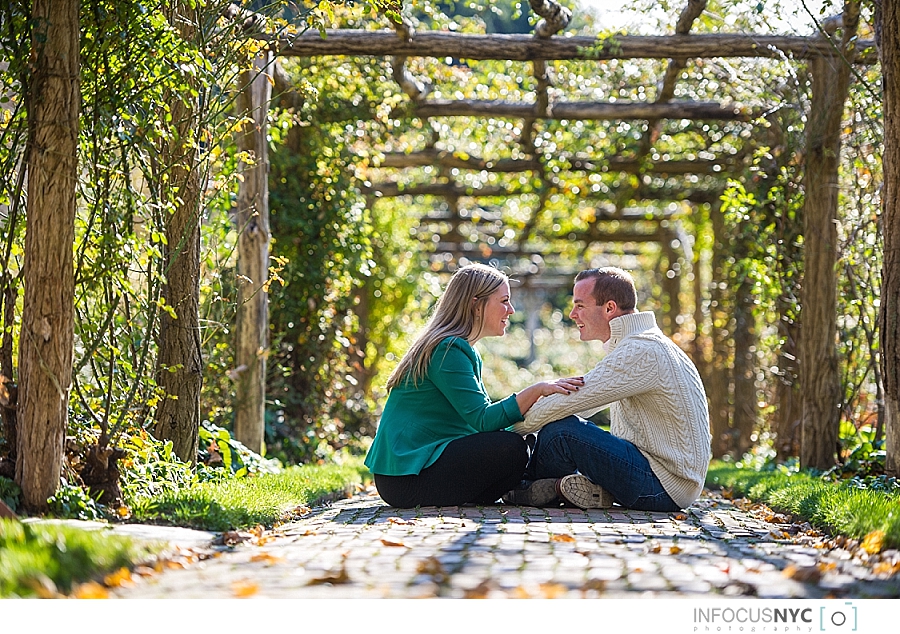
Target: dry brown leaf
655, 548
43, 586
872, 543
399, 520
480, 591
91, 590
520, 593
121, 577
553, 590
302, 510
230, 538
595, 585
680, 517
243, 589
266, 558
432, 567
144, 571
826, 566
339, 577
388, 542
886, 568
803, 574
562, 538
674, 550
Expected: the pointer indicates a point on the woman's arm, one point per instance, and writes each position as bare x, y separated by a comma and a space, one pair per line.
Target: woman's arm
529, 396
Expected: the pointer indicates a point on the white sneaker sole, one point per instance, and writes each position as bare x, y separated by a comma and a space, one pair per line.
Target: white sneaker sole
583, 493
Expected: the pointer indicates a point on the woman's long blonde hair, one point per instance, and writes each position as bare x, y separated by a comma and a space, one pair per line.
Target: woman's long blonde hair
454, 316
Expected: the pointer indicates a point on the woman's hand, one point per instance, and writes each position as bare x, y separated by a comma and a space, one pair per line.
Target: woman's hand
560, 386
529, 396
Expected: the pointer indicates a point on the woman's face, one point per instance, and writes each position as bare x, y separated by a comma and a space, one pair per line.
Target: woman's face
497, 310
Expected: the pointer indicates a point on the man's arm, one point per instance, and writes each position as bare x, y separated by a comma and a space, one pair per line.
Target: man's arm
617, 376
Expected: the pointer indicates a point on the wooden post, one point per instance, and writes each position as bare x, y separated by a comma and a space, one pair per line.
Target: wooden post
252, 216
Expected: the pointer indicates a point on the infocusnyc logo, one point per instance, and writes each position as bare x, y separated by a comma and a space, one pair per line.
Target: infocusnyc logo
834, 617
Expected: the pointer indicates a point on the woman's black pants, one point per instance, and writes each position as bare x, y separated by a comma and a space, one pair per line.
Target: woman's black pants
475, 469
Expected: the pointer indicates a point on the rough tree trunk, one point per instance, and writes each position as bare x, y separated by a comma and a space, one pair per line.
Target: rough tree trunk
888, 30
718, 380
45, 344
820, 382
179, 365
252, 217
745, 397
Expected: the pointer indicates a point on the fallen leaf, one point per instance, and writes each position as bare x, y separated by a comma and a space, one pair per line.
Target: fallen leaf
43, 586
399, 520
302, 510
266, 558
243, 589
886, 568
674, 550
562, 538
388, 542
680, 517
872, 543
480, 591
91, 590
553, 590
434, 568
655, 548
594, 585
121, 577
520, 593
826, 566
803, 574
334, 578
144, 571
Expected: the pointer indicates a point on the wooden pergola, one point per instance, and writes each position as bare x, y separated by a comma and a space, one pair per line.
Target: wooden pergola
454, 232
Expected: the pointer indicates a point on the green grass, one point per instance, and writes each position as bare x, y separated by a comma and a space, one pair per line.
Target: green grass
837, 507
246, 502
42, 560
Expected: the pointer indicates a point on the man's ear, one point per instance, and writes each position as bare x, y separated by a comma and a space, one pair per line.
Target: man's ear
611, 306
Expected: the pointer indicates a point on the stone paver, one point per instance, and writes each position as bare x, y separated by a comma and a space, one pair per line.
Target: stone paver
362, 548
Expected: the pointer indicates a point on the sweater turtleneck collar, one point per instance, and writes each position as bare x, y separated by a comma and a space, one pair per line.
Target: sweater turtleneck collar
630, 324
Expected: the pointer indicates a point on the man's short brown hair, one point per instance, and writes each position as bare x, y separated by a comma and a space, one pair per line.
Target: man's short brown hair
611, 283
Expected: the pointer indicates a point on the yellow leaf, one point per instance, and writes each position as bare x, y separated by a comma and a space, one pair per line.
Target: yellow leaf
91, 590
885, 568
266, 558
388, 542
873, 542
243, 589
562, 538
121, 577
674, 550
553, 590
655, 548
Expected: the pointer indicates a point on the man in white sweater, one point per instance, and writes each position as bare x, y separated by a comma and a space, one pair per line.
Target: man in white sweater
658, 451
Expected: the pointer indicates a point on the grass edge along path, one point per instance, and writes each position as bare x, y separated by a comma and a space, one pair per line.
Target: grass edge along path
246, 502
836, 507
51, 561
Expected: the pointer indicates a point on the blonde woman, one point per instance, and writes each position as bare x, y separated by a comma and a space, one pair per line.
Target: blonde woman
441, 440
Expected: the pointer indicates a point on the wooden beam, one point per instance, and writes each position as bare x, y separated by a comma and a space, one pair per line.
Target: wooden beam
520, 47
392, 190
588, 110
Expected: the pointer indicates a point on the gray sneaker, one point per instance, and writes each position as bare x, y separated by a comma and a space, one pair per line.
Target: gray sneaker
538, 493
583, 493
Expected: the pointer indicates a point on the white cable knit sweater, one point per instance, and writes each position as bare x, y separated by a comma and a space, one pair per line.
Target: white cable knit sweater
658, 404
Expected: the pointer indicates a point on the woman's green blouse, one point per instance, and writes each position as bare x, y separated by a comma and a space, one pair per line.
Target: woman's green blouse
449, 403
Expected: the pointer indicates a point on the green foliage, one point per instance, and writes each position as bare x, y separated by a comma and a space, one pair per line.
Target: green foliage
72, 502
245, 502
43, 559
224, 457
10, 492
844, 508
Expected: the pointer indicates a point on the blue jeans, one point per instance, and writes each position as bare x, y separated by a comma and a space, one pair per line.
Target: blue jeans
575, 444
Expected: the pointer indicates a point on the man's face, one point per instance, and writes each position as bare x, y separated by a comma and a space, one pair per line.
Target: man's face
592, 320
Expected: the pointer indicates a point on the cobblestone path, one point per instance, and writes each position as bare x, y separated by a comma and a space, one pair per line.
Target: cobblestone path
362, 548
